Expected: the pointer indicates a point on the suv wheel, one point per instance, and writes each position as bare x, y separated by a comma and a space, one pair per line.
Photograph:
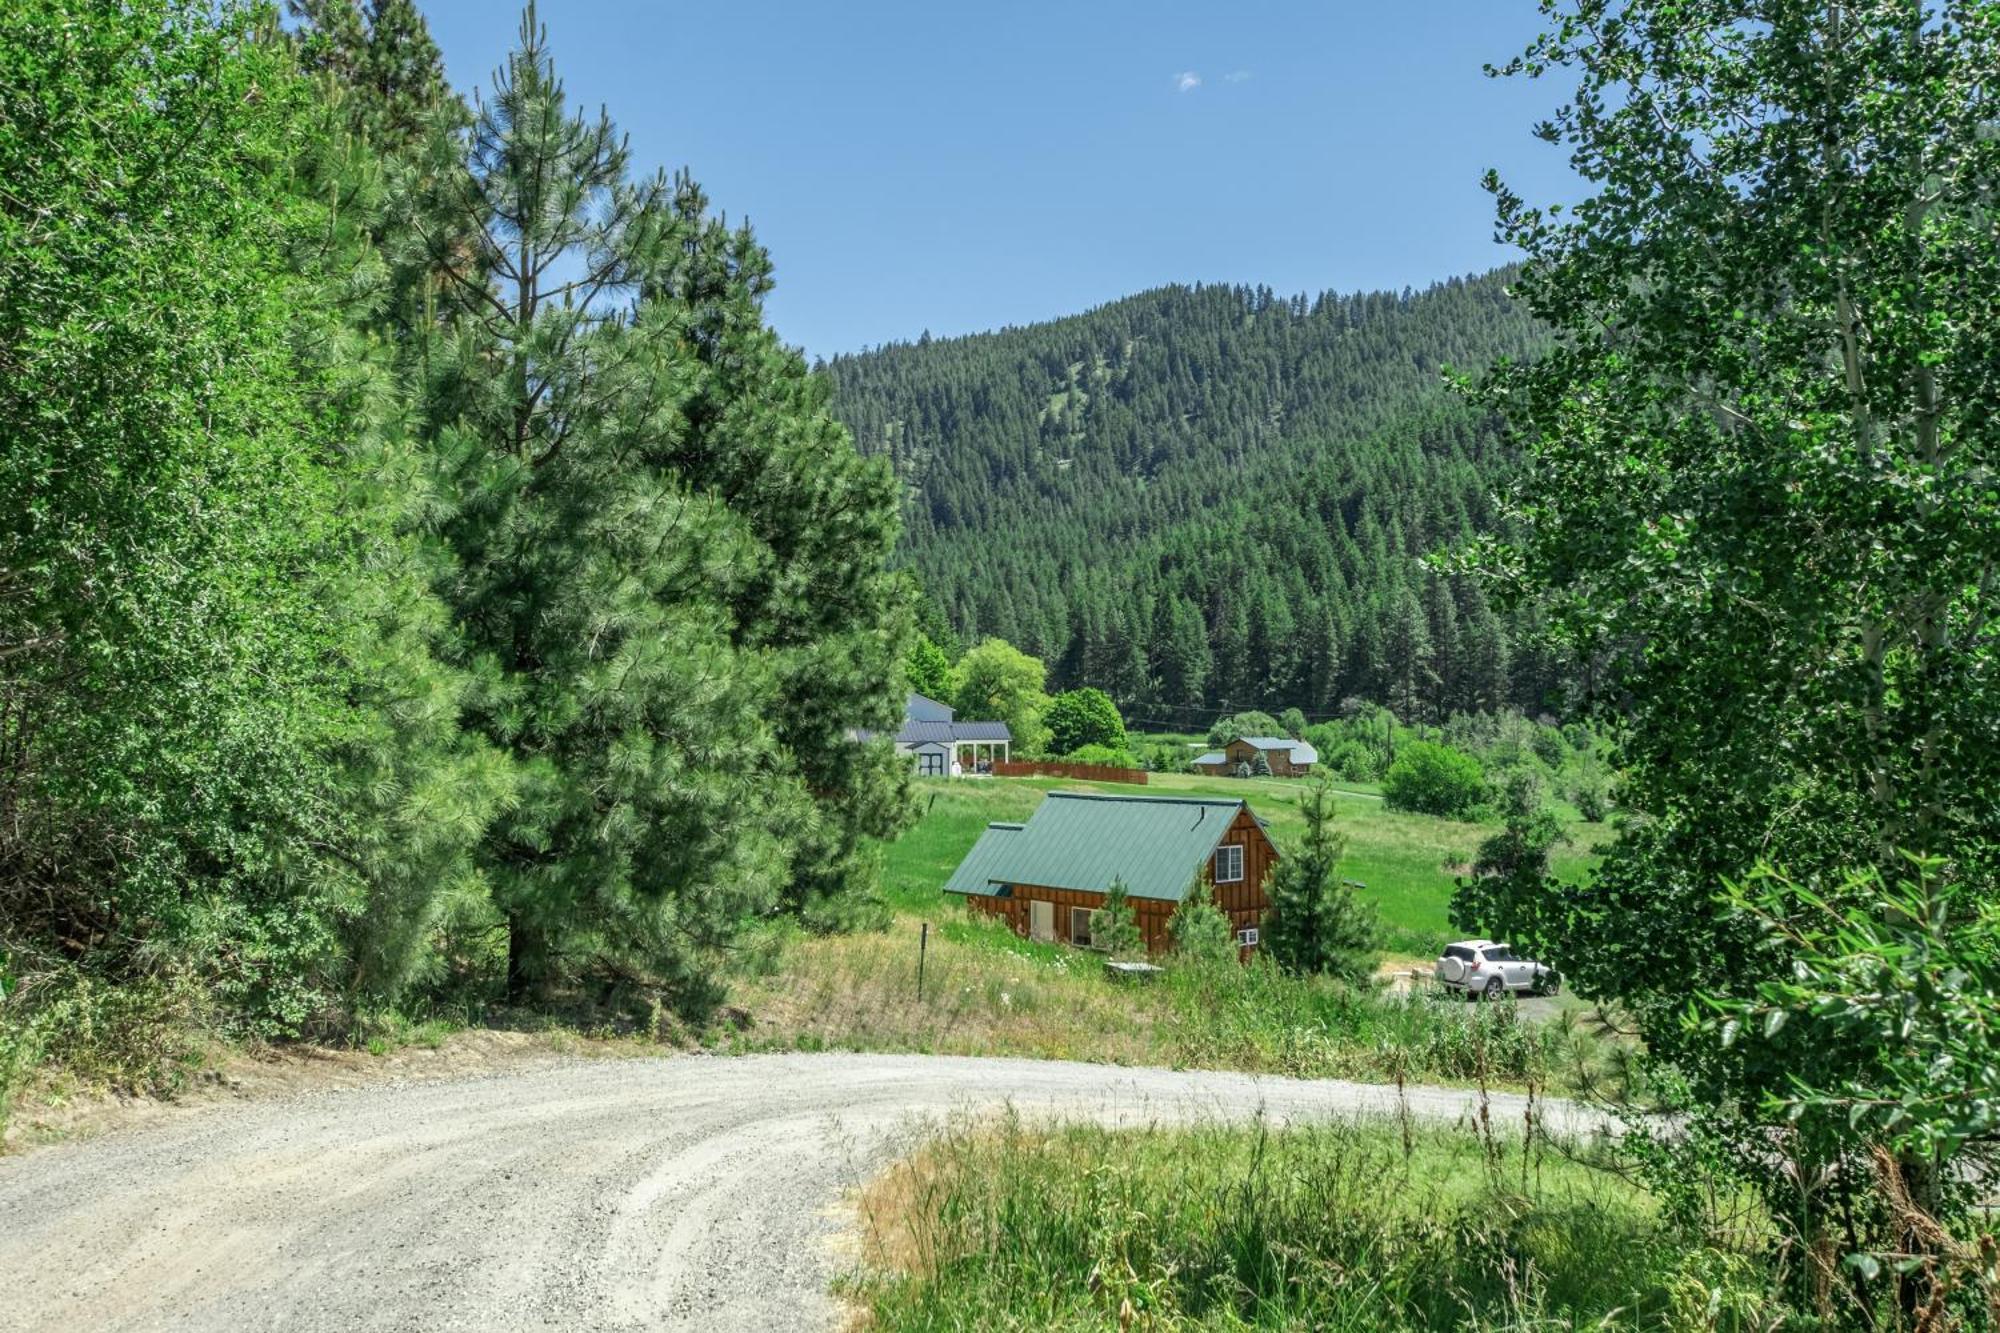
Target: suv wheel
1494, 988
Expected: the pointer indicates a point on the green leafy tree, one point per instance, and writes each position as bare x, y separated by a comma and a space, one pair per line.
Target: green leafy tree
169, 672
1433, 779
1900, 980
926, 669
1315, 923
1113, 927
1294, 723
1512, 865
1237, 725
1077, 718
1758, 498
997, 682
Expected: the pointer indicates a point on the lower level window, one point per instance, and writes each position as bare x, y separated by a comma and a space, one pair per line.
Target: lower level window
1079, 926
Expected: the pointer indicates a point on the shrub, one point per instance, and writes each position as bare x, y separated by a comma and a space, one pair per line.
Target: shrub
1085, 717
1351, 761
1241, 770
1434, 780
1101, 754
1259, 765
1590, 794
1202, 931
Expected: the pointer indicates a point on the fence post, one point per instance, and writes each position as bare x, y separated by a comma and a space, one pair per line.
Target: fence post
923, 945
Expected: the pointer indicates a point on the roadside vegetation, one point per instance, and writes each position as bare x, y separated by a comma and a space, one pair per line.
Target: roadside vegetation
988, 992
1009, 1223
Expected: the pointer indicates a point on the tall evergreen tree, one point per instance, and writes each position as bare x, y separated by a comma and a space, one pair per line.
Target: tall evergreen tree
814, 597
598, 591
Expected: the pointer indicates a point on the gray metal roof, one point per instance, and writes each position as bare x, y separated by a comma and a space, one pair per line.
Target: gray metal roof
981, 731
1083, 841
944, 733
923, 708
1212, 757
1301, 752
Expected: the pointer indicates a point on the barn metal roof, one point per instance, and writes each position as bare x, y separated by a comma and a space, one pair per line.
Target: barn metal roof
1083, 841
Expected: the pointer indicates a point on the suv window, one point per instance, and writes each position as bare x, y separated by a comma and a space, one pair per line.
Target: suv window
1458, 951
1501, 954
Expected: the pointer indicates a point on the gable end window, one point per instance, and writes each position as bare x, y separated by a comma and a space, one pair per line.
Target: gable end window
1229, 865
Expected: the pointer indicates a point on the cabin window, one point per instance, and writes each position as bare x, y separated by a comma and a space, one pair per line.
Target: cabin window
1228, 865
1079, 926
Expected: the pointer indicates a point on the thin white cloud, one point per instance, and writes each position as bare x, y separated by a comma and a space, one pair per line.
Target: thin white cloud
1237, 76
1186, 81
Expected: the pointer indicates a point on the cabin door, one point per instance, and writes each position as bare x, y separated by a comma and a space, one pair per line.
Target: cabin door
1041, 921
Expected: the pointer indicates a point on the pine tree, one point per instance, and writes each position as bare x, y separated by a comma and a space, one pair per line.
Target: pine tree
1315, 922
416, 791
595, 588
814, 595
1179, 649
1201, 931
1113, 928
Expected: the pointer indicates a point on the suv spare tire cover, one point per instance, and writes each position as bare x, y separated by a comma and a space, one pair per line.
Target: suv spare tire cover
1454, 969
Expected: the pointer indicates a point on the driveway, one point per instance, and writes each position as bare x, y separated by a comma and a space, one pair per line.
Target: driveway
678, 1193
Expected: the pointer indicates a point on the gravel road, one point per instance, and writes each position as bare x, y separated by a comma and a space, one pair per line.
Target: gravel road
679, 1193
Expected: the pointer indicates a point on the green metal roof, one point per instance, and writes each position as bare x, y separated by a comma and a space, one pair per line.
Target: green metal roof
975, 873
1077, 840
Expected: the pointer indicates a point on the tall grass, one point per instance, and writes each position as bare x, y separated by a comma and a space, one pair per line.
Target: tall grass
988, 992
1333, 1227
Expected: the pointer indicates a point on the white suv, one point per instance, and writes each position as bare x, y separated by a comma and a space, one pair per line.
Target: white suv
1483, 968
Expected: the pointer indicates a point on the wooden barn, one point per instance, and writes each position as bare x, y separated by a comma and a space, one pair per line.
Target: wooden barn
1046, 877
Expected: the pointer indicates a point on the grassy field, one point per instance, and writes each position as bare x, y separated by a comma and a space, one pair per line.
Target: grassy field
1407, 861
1362, 1226
986, 991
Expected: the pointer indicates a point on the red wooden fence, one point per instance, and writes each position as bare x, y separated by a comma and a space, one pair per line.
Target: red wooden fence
1032, 768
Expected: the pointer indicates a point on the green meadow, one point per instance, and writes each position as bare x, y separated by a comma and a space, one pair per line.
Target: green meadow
1407, 862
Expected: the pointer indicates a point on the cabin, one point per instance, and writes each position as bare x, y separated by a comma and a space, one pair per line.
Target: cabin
1046, 876
945, 747
1288, 758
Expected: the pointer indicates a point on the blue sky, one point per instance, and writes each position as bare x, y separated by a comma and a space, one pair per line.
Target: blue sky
953, 166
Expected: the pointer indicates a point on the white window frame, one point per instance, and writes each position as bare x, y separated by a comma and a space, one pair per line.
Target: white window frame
1083, 943
1248, 937
1223, 857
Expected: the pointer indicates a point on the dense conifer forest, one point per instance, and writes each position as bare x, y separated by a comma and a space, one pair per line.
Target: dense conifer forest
1211, 497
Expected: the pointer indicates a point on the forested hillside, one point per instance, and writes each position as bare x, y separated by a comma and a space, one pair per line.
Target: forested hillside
1213, 496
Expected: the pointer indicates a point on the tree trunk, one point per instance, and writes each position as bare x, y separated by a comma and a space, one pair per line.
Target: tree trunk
527, 962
